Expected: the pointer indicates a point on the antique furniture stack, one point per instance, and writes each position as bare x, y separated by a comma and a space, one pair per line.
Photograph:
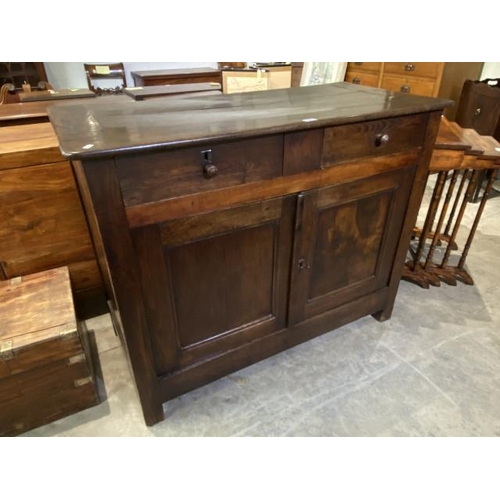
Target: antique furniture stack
461, 159
232, 227
46, 358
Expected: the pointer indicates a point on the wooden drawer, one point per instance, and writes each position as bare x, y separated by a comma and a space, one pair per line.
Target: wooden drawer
409, 85
361, 78
366, 66
367, 139
421, 69
170, 174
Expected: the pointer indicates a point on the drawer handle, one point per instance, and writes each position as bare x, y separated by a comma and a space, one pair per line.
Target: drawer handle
477, 112
210, 170
405, 88
409, 67
381, 139
356, 80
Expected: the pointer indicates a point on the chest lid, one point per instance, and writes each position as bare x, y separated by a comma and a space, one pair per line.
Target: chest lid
37, 321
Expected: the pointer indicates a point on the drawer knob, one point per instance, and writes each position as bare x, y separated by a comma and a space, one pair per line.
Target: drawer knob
356, 80
381, 139
210, 170
409, 67
405, 88
477, 112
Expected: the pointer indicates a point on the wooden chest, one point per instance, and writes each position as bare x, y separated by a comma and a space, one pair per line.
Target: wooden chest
46, 370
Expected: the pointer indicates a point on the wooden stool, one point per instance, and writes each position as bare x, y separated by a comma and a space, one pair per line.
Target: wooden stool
46, 370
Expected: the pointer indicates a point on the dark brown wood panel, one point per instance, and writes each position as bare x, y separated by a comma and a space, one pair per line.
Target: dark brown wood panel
155, 279
102, 196
347, 247
167, 175
194, 228
237, 275
361, 140
338, 262
411, 211
302, 151
152, 213
223, 282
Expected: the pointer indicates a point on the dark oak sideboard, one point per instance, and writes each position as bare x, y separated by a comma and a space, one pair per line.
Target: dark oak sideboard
232, 227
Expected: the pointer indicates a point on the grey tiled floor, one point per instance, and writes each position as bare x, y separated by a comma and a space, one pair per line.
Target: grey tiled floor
433, 369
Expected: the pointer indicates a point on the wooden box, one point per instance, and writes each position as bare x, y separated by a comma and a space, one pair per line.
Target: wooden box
45, 361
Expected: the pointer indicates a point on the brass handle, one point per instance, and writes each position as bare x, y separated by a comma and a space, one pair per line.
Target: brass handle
381, 139
405, 88
210, 170
356, 80
409, 67
477, 112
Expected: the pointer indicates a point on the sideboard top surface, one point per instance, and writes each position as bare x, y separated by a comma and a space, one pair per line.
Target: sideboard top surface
88, 129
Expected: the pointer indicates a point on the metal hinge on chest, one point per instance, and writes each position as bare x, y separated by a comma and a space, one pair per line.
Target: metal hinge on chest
6, 349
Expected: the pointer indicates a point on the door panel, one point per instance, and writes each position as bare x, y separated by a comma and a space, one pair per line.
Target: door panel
345, 241
348, 241
215, 285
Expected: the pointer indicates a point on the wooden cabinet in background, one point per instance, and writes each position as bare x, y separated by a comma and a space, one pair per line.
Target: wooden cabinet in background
42, 224
433, 79
236, 232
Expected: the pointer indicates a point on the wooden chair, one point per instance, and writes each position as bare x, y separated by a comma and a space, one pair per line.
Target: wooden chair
5, 96
112, 71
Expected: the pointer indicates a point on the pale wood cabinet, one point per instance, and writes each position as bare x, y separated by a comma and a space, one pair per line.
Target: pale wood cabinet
432, 79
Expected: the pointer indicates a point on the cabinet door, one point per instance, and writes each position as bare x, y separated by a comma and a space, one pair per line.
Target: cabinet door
214, 282
345, 241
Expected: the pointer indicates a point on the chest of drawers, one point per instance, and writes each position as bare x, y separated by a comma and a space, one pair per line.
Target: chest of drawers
433, 79
232, 227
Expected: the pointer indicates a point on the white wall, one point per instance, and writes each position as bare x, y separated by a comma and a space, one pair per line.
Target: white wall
67, 75
491, 70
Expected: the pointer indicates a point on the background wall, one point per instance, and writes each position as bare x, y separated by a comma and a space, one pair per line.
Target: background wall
491, 70
67, 75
